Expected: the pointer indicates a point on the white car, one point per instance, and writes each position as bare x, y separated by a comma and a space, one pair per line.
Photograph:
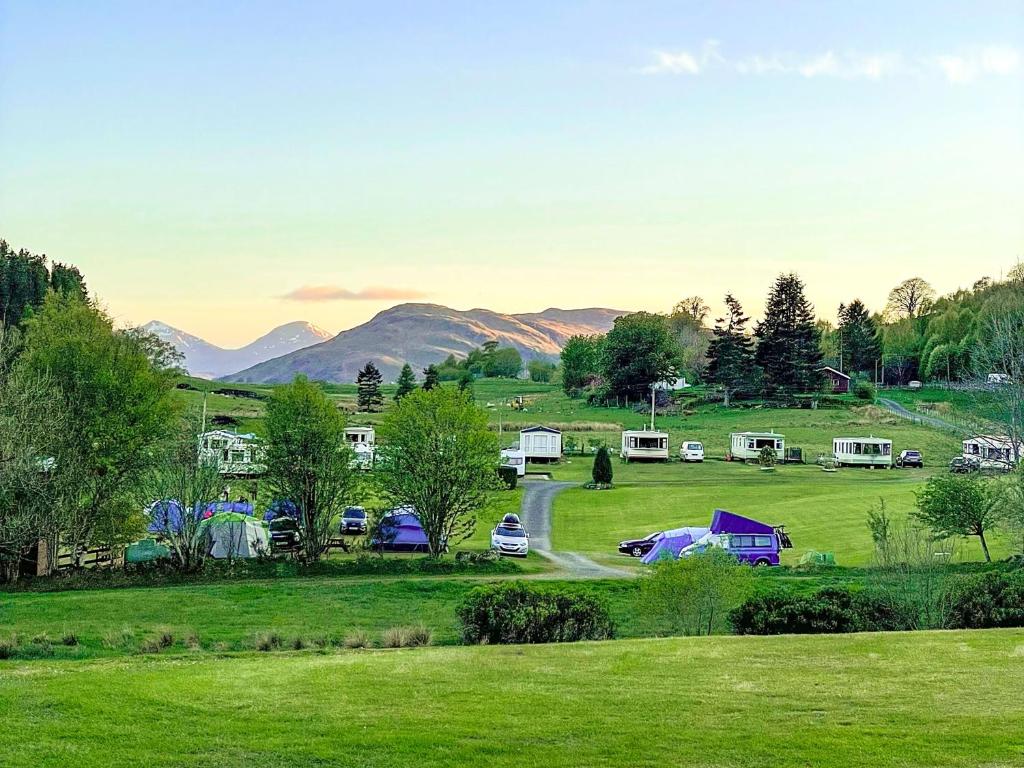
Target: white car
691, 450
510, 540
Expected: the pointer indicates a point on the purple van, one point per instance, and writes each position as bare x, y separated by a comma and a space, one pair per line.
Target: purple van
750, 541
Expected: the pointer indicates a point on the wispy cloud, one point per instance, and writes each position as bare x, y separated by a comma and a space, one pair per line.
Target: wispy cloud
337, 293
848, 65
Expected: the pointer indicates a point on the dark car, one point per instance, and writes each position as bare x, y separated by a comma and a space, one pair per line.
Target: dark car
910, 459
964, 464
284, 534
638, 547
353, 522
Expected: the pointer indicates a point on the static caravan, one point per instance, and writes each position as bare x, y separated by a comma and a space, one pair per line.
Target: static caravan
747, 446
234, 454
644, 444
540, 444
992, 451
361, 436
862, 452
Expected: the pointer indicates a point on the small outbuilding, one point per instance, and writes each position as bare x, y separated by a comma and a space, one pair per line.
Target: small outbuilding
992, 451
840, 381
747, 446
862, 452
238, 455
540, 444
644, 445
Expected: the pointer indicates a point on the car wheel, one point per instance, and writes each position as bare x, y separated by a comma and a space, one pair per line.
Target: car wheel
637, 552
761, 562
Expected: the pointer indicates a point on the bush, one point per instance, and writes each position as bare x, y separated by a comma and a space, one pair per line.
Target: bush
9, 647
69, 639
602, 473
988, 600
828, 611
357, 639
508, 477
516, 612
394, 637
268, 641
864, 390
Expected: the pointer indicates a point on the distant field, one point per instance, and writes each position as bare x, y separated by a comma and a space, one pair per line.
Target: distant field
855, 701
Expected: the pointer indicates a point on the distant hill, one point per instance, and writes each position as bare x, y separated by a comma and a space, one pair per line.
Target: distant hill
209, 361
421, 334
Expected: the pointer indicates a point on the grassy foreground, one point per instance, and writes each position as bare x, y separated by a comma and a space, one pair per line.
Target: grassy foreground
916, 699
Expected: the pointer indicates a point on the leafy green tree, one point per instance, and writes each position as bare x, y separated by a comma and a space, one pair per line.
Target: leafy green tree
581, 363
789, 348
731, 352
1000, 350
308, 461
122, 412
504, 363
1008, 504
686, 324
602, 471
541, 371
182, 475
466, 382
639, 352
66, 279
909, 299
858, 336
406, 382
431, 379
34, 460
24, 282
368, 395
438, 456
694, 594
957, 505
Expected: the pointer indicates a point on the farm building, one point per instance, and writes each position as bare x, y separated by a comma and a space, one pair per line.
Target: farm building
540, 444
992, 451
644, 444
840, 381
234, 454
747, 446
862, 451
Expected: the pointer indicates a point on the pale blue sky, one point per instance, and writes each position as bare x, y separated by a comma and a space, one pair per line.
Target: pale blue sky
199, 164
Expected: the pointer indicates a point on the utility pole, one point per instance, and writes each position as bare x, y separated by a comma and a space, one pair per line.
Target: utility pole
653, 391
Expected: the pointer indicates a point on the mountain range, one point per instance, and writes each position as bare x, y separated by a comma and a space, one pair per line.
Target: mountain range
418, 334
209, 361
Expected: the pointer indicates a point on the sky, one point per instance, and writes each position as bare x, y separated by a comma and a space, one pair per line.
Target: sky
227, 167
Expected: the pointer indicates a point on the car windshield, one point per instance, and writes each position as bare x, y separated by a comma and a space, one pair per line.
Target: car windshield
693, 446
355, 514
514, 533
913, 453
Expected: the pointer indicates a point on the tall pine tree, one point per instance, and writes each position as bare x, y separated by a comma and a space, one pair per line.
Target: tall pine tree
858, 335
406, 382
368, 395
731, 352
431, 378
789, 342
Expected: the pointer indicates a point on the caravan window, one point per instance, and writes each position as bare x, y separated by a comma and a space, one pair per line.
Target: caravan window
237, 456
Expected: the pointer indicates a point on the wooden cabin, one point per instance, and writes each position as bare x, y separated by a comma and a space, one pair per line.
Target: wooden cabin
840, 381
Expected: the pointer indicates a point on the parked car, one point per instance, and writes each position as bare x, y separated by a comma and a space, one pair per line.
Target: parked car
691, 450
964, 464
353, 521
284, 534
510, 540
639, 547
910, 459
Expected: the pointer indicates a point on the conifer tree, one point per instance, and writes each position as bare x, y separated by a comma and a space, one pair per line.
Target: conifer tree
368, 381
789, 342
602, 472
858, 335
731, 352
431, 378
406, 382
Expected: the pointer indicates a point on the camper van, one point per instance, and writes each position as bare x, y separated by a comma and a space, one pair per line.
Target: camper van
862, 452
747, 446
644, 445
992, 452
691, 450
513, 457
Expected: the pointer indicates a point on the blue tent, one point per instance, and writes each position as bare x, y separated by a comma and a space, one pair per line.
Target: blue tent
670, 543
166, 516
400, 531
217, 507
281, 508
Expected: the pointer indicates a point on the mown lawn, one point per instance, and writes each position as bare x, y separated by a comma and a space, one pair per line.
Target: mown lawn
821, 511
915, 699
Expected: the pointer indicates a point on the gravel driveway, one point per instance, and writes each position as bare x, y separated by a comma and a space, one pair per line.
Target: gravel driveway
535, 513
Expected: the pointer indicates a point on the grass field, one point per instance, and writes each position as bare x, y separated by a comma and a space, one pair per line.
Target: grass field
821, 511
915, 699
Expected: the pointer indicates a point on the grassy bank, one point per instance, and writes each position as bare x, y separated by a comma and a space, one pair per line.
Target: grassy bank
920, 699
